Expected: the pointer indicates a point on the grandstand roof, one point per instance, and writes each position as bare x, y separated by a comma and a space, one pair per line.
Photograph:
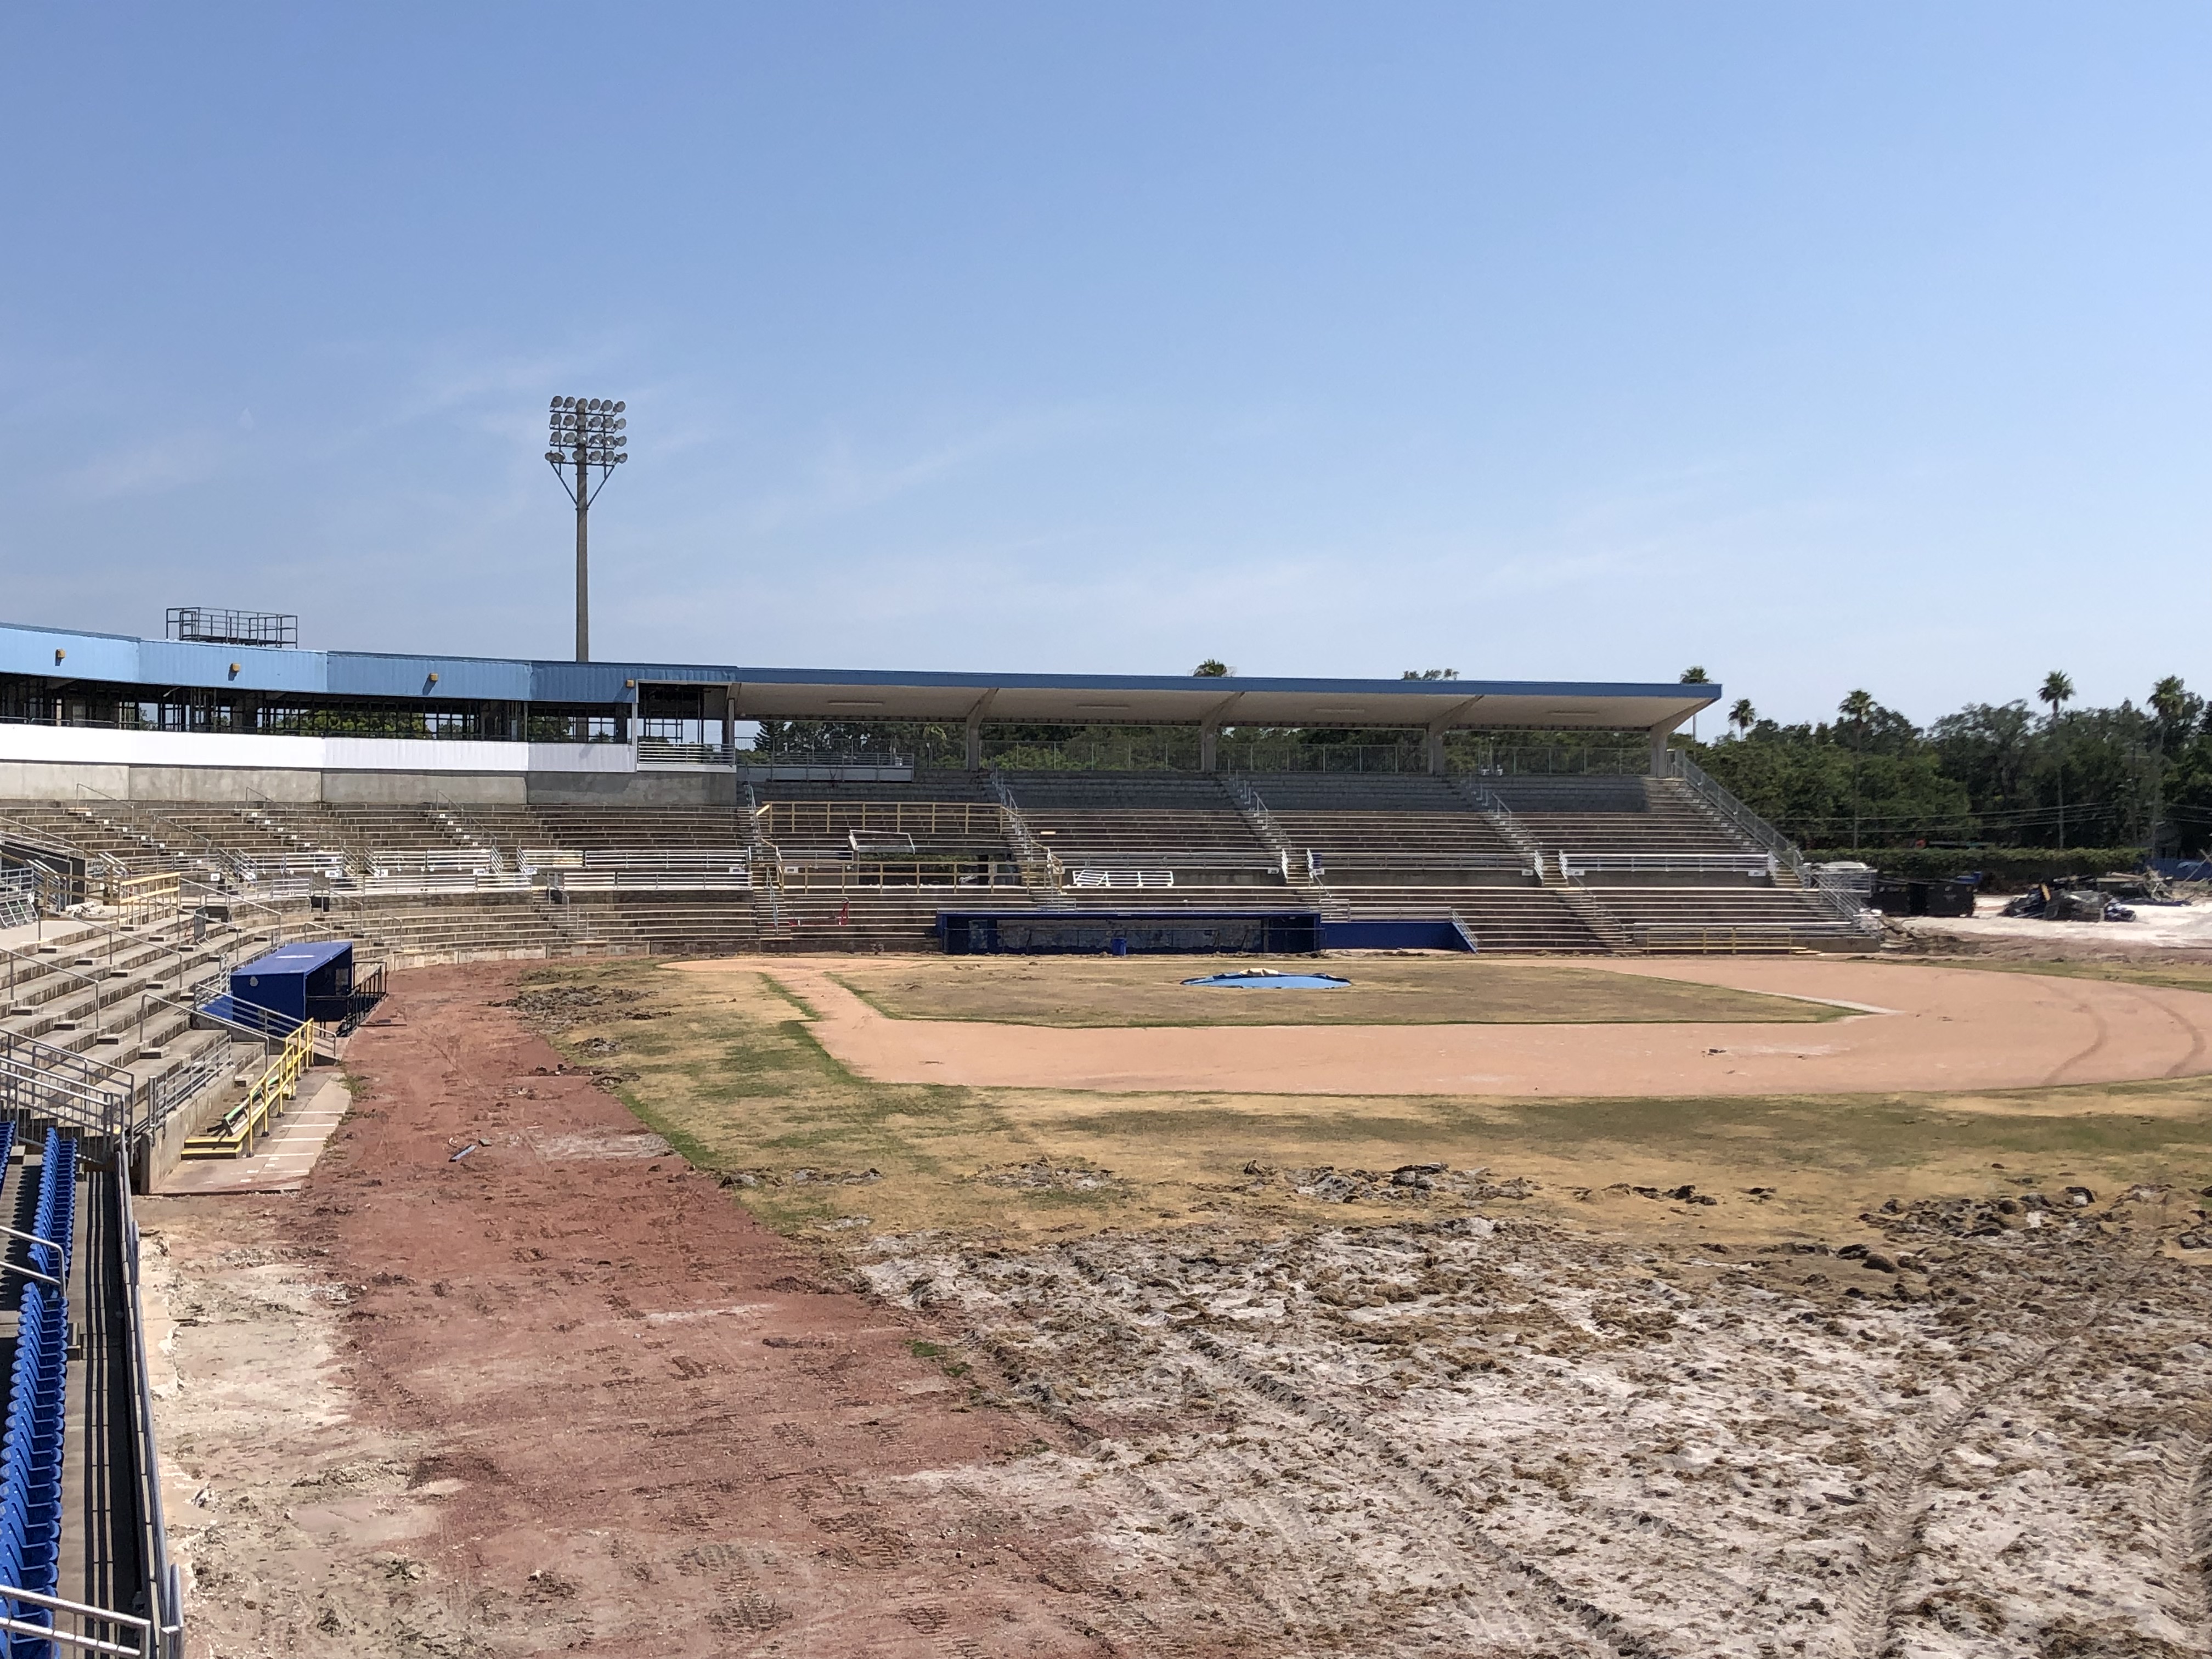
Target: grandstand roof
1098, 699
852, 694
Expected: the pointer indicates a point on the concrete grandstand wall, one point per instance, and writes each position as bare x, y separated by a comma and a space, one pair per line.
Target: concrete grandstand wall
55, 762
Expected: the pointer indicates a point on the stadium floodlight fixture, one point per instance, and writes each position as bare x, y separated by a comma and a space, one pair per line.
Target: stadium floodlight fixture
581, 433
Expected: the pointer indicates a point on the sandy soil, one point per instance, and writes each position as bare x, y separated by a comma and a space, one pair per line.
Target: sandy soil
1429, 990
1482, 1438
563, 1393
1928, 1029
2159, 932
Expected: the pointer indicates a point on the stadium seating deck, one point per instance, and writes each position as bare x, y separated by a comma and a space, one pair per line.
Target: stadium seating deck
1566, 864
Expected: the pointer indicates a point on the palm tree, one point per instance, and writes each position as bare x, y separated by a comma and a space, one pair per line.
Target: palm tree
2170, 700
1743, 716
1694, 675
2057, 690
1857, 708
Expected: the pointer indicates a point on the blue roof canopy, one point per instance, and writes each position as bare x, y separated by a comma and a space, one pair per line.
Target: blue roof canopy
862, 694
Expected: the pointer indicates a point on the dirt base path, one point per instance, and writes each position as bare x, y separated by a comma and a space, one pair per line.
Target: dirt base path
1929, 1029
643, 1424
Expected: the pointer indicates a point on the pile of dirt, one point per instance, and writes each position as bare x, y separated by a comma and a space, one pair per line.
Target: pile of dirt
1042, 1174
1409, 1183
560, 1006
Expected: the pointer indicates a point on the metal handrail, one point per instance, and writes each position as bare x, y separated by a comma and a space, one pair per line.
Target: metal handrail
147, 1627
161, 1586
237, 863
1572, 864
1844, 907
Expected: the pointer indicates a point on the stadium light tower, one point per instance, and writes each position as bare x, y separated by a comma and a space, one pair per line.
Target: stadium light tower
587, 433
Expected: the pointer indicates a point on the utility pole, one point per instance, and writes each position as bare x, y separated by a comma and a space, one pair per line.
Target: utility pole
586, 433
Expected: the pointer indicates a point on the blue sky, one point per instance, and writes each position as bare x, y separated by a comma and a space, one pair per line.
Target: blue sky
1822, 345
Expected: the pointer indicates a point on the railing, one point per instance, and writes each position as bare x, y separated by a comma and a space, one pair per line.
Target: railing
1479, 796
1254, 859
1553, 759
153, 1643
1844, 907
1088, 878
1752, 865
1014, 827
20, 897
164, 1625
38, 1080
60, 871
823, 757
314, 728
1440, 858
1734, 812
1718, 941
140, 897
213, 853
935, 820
236, 1130
1296, 873
460, 822
170, 1094
599, 870
665, 751
850, 876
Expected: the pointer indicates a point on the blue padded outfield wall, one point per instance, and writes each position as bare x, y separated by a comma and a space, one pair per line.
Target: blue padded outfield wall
1185, 933
1140, 933
1396, 934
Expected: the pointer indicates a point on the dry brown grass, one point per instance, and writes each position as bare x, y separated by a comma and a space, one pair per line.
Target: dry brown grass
728, 1071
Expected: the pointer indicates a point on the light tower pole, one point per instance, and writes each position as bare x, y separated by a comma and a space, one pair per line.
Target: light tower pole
586, 433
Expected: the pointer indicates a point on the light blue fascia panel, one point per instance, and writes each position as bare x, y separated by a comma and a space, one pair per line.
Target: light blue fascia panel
366, 674
165, 663
85, 656
607, 681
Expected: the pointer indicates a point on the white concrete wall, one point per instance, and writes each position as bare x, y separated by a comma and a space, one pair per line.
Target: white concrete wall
50, 762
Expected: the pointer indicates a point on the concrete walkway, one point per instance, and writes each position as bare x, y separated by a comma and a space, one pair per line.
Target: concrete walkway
280, 1163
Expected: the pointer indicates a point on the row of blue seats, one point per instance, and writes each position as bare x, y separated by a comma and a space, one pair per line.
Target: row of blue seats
31, 1447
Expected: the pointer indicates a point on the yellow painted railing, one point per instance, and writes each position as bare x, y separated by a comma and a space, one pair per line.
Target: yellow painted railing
141, 897
235, 1135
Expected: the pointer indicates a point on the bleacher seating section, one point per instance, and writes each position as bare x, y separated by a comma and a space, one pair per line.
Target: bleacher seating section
1527, 864
31, 1450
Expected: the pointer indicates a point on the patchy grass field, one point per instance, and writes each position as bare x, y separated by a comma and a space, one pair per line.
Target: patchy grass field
1403, 1376
1098, 991
725, 1068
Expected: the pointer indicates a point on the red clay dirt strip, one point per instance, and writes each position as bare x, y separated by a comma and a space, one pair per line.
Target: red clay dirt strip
662, 1432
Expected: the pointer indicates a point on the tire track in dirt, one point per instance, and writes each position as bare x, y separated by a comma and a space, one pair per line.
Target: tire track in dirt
2193, 1063
1531, 1598
2097, 1044
2184, 1521
1894, 1536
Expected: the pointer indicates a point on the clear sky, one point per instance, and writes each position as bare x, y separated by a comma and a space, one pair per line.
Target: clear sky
1823, 345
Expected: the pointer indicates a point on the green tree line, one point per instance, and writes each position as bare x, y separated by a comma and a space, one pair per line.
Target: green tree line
1998, 774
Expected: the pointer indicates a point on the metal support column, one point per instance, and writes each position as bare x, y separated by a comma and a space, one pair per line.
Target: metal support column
583, 561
